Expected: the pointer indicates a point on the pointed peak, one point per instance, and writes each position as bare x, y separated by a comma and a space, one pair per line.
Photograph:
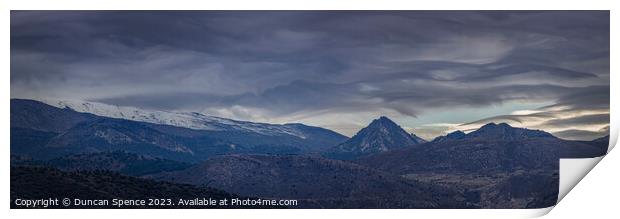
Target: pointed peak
382, 120
381, 135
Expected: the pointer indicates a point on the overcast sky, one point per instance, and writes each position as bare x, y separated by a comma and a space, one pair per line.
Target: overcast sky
431, 72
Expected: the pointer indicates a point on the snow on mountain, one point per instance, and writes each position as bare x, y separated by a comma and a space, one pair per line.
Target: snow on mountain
190, 120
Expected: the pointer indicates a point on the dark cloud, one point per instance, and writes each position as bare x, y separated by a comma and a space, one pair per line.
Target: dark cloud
288, 62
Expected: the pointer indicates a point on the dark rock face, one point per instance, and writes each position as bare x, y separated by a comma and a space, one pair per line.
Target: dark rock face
380, 135
317, 181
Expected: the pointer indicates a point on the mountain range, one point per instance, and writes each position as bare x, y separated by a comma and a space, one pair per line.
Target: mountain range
382, 166
190, 120
492, 147
43, 131
496, 166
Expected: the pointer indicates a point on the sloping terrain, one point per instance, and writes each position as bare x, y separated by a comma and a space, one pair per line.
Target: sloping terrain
380, 135
496, 166
42, 131
315, 180
117, 161
45, 182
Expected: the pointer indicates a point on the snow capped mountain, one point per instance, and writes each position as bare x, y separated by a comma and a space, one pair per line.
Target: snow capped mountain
190, 120
74, 127
451, 136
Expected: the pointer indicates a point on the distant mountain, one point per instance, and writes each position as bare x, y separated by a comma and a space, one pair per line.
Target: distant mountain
43, 132
496, 166
451, 136
604, 139
418, 139
493, 147
315, 181
191, 120
36, 116
44, 182
380, 135
495, 132
601, 144
504, 131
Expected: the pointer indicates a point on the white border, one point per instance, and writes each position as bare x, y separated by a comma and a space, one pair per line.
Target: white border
289, 5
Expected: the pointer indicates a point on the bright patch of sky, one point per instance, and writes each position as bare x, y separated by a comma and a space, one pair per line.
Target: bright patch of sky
463, 115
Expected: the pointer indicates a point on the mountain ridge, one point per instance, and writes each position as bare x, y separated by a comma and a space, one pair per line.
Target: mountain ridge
492, 147
501, 131
43, 131
381, 135
191, 120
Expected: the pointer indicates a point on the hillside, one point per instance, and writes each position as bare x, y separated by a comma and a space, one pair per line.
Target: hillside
316, 180
380, 135
43, 131
117, 161
43, 183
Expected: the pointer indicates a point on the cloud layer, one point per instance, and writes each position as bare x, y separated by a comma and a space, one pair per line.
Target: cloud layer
330, 68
